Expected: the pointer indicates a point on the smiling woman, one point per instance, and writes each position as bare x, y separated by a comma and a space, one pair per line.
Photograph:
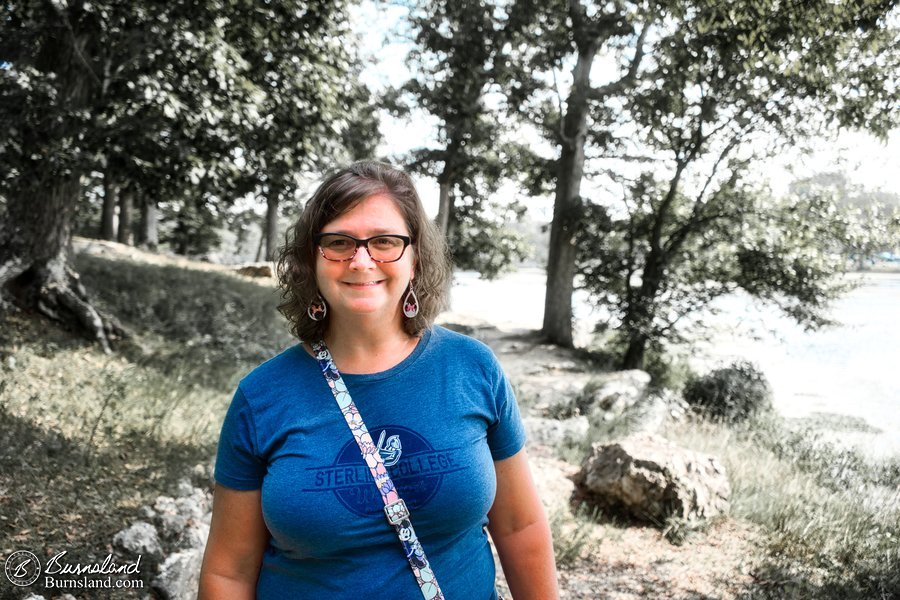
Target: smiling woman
357, 284
328, 212
300, 501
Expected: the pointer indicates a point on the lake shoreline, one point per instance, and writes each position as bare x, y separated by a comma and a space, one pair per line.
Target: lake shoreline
840, 372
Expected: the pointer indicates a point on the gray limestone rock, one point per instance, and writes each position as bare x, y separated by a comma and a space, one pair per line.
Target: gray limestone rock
179, 575
139, 539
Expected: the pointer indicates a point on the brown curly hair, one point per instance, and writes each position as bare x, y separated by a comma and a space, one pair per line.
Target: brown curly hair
339, 193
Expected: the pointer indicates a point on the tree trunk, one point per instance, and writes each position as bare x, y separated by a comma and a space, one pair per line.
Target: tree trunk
149, 232
34, 240
443, 216
34, 261
110, 199
637, 323
634, 353
452, 222
262, 241
126, 205
271, 225
557, 327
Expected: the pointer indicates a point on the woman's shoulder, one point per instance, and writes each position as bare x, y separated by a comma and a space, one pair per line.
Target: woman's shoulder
450, 343
285, 368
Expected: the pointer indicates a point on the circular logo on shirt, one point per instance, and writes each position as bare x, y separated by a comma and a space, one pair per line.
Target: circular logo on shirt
22, 568
416, 469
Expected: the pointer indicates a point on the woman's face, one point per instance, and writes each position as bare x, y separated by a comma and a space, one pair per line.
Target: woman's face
362, 286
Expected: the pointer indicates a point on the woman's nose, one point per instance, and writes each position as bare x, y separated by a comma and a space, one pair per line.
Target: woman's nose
362, 259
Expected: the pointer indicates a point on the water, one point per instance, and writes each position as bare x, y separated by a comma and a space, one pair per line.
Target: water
850, 370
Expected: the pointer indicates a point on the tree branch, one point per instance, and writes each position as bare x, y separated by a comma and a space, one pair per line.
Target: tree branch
58, 8
603, 92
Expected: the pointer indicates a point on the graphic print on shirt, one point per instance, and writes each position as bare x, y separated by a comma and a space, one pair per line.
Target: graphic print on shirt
390, 452
416, 468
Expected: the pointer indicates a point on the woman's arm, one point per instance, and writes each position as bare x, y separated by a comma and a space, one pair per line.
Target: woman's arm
520, 531
234, 550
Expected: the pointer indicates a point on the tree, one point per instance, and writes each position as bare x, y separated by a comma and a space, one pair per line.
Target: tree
722, 76
875, 215
549, 36
302, 61
45, 98
149, 95
457, 64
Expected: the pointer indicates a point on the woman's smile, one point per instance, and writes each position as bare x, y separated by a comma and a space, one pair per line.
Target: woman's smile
363, 284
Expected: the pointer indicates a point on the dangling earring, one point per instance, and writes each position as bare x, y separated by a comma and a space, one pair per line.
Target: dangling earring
317, 309
410, 303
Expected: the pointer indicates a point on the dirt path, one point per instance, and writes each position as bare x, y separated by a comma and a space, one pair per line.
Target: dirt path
616, 561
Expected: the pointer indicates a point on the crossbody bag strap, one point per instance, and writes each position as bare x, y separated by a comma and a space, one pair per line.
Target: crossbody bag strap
394, 507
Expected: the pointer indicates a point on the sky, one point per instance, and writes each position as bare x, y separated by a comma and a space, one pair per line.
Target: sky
866, 161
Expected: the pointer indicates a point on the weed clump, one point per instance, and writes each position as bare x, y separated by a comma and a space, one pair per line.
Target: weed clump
732, 394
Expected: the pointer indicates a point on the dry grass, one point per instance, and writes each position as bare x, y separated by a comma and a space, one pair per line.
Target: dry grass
85, 438
831, 532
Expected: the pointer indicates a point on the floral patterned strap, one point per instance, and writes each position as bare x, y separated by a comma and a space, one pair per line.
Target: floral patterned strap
394, 507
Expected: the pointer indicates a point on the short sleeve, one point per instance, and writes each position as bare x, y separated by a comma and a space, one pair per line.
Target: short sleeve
506, 435
238, 465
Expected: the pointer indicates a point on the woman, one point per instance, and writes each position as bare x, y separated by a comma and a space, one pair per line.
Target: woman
296, 512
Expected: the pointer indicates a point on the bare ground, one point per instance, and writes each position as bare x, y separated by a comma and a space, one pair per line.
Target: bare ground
618, 561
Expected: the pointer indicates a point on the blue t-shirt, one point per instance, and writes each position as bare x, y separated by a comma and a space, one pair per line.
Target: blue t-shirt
440, 418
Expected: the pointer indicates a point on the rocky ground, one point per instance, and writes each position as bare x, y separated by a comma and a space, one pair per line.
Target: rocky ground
617, 560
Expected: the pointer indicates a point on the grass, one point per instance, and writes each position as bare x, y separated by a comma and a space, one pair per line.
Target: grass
832, 519
85, 438
573, 538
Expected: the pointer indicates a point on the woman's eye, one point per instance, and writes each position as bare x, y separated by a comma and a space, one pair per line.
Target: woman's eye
337, 244
386, 242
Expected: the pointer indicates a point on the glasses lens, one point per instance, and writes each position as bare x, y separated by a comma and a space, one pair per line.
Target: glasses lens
337, 247
385, 248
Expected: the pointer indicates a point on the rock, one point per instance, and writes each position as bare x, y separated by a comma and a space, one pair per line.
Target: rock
614, 392
141, 538
33, 597
202, 474
173, 515
184, 487
170, 522
194, 505
552, 395
65, 597
179, 575
257, 270
194, 536
652, 479
555, 432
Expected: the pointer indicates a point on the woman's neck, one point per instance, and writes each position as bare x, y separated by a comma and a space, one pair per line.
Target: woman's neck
362, 347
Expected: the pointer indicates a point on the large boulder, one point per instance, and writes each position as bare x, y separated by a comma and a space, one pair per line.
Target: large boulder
652, 479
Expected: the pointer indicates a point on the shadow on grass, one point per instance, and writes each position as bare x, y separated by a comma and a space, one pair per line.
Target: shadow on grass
776, 581
58, 494
209, 325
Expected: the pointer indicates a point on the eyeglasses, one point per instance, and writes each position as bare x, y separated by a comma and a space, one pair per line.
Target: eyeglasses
381, 248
